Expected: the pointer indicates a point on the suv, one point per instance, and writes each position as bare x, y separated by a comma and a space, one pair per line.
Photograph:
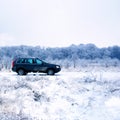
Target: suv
25, 65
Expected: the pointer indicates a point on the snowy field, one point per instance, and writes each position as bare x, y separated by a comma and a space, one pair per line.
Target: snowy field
66, 96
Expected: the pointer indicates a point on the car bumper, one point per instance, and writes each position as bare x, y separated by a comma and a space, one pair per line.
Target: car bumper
57, 70
14, 69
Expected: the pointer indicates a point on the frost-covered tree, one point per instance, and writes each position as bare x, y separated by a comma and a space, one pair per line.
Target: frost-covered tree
73, 54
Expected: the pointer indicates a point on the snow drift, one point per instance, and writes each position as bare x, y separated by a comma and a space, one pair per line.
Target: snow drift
65, 96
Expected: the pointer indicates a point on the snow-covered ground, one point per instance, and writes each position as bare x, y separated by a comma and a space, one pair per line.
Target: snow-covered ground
66, 96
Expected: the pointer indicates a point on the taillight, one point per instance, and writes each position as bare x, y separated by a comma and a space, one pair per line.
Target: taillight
12, 63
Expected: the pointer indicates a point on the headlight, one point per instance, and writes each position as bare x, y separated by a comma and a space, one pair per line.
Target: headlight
57, 66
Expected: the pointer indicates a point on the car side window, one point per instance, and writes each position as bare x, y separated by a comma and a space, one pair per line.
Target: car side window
30, 61
38, 61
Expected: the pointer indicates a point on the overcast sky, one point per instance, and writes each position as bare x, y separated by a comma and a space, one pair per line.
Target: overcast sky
57, 23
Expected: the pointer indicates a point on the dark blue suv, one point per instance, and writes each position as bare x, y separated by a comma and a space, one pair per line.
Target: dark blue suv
25, 65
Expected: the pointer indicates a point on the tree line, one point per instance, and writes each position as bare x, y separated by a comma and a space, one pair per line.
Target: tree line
71, 53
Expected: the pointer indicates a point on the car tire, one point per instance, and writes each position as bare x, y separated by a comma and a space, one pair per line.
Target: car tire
50, 72
21, 72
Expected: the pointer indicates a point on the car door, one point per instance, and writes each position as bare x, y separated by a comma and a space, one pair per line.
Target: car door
29, 64
39, 65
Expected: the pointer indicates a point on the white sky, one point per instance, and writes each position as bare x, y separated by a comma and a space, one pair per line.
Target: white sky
57, 23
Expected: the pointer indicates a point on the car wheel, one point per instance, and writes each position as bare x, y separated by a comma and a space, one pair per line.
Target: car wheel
21, 72
50, 72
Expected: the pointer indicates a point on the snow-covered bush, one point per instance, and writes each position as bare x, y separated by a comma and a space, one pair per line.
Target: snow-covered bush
14, 116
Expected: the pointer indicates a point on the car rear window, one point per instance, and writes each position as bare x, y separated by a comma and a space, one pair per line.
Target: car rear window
20, 61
